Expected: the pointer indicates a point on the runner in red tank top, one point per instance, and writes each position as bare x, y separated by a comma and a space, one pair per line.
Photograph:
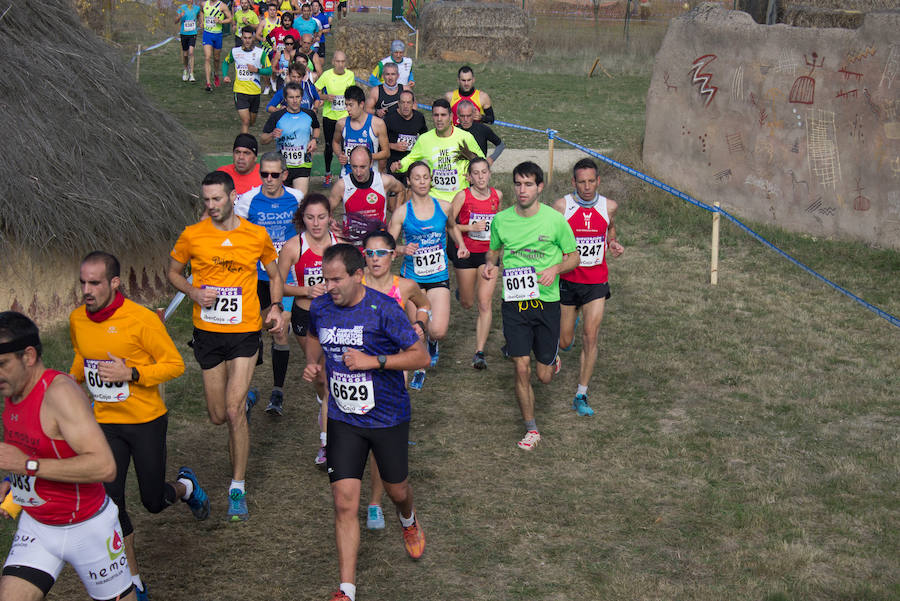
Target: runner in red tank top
57, 457
587, 286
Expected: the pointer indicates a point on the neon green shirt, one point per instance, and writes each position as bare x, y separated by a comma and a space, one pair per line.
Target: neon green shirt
538, 241
448, 176
244, 18
335, 85
211, 13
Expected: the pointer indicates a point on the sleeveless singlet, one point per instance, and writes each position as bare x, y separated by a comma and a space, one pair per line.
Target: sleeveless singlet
211, 13
385, 100
308, 268
429, 263
589, 225
456, 98
394, 292
47, 501
370, 202
474, 209
365, 136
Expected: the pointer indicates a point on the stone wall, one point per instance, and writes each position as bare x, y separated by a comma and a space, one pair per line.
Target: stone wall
791, 126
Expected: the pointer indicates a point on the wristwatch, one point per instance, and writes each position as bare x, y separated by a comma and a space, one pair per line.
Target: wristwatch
381, 361
31, 466
278, 304
135, 374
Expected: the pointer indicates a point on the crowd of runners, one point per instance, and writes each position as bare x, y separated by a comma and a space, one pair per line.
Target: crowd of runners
359, 271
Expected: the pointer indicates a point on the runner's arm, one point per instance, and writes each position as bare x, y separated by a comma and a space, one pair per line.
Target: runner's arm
499, 146
167, 361
313, 357
337, 142
228, 16
371, 97
384, 149
229, 59
276, 313
77, 369
175, 275
488, 116
612, 240
289, 255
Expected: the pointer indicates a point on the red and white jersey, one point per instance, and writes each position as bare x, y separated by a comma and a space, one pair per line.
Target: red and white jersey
474, 209
370, 202
589, 226
308, 267
47, 501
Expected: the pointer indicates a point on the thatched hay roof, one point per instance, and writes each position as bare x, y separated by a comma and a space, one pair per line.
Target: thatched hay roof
90, 161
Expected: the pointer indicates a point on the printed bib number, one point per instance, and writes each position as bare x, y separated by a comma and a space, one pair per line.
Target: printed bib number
486, 233
445, 179
520, 283
295, 156
312, 276
209, 22
227, 308
190, 26
591, 250
353, 393
244, 73
429, 260
408, 140
103, 392
338, 103
23, 492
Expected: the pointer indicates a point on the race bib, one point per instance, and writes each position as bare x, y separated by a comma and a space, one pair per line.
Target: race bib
338, 103
353, 393
103, 392
445, 179
190, 26
520, 283
312, 276
591, 250
227, 308
209, 22
407, 140
295, 156
244, 73
485, 234
349, 146
429, 260
23, 492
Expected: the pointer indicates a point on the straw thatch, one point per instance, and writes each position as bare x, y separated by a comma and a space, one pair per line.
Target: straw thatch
365, 43
477, 30
91, 162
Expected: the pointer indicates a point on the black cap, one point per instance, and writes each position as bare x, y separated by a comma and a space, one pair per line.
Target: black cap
246, 141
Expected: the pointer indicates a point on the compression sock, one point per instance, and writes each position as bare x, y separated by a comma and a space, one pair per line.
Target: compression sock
281, 353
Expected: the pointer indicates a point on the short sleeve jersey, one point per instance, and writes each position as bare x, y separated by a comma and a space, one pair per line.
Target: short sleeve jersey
335, 84
538, 241
447, 173
296, 131
404, 131
246, 81
376, 326
243, 182
227, 261
189, 16
244, 18
274, 214
312, 26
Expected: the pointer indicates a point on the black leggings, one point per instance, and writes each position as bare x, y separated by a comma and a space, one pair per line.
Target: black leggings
146, 443
328, 128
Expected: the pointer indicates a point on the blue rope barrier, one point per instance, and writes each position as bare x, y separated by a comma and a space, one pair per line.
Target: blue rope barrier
154, 47
408, 25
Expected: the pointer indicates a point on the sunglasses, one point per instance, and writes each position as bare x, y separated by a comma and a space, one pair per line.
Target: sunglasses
378, 252
268, 174
289, 43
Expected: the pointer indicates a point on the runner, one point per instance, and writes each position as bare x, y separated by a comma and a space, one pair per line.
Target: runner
324, 20
587, 286
385, 96
404, 126
272, 206
468, 91
328, 8
123, 353
379, 253
473, 209
440, 149
302, 255
283, 61
223, 250
315, 64
267, 22
483, 134
367, 342
306, 24
277, 38
296, 131
245, 17
359, 128
249, 63
187, 16
364, 193
331, 85
537, 245
297, 73
342, 9
403, 64
424, 224
215, 14
244, 171
56, 457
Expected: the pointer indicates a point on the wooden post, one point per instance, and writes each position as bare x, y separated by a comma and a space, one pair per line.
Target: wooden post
714, 260
550, 162
137, 71
417, 43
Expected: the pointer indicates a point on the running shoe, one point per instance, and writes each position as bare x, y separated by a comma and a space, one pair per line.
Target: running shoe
191, 77
327, 180
199, 500
266, 91
183, 78
571, 344
532, 437
418, 379
339, 596
375, 518
216, 80
414, 539
557, 364
321, 459
434, 349
208, 88
580, 404
478, 361
276, 403
237, 506
141, 593
252, 398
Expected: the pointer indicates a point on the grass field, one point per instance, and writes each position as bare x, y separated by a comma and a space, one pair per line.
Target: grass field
744, 445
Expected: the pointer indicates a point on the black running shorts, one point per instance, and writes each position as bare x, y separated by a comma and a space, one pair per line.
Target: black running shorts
578, 294
246, 101
299, 319
212, 348
531, 326
348, 448
188, 41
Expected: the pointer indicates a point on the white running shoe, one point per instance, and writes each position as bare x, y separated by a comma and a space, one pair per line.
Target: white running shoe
184, 75
191, 77
532, 437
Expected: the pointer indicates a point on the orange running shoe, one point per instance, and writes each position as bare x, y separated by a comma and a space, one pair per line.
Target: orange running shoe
339, 596
414, 539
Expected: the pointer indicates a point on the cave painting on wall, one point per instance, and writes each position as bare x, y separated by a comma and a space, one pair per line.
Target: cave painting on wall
822, 150
699, 77
860, 203
804, 89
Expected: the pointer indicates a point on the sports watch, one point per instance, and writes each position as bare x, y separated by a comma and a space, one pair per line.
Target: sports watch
31, 466
381, 361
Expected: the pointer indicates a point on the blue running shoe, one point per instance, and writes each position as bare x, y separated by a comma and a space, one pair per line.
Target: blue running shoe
375, 518
142, 593
418, 379
199, 500
237, 506
433, 350
252, 397
580, 404
569, 348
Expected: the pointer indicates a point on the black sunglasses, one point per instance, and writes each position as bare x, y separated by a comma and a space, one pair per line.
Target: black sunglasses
268, 174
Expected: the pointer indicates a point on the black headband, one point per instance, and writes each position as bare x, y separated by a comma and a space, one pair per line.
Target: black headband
20, 344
